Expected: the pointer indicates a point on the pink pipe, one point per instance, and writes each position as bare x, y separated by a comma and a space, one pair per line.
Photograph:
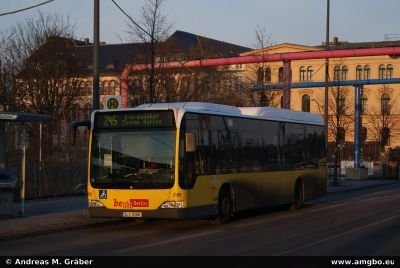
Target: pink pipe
345, 53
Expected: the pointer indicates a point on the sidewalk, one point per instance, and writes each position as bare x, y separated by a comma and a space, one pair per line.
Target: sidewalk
345, 185
20, 227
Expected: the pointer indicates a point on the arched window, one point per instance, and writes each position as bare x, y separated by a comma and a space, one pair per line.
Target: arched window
112, 87
364, 104
345, 72
385, 136
367, 72
268, 75
364, 134
305, 103
385, 104
88, 90
341, 105
302, 74
389, 71
341, 135
280, 74
260, 75
263, 100
381, 71
106, 88
309, 73
336, 73
81, 88
358, 72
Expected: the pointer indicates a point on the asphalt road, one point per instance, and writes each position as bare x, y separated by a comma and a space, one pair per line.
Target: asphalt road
352, 223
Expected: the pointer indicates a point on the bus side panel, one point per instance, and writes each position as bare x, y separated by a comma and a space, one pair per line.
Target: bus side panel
201, 194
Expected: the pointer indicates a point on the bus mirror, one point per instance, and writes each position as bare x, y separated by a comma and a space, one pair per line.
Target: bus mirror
190, 142
72, 130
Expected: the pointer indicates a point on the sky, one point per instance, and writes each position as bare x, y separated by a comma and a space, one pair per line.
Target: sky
233, 21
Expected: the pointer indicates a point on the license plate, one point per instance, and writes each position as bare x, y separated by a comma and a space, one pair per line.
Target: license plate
132, 214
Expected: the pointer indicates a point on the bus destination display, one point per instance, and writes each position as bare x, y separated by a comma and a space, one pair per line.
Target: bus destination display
135, 119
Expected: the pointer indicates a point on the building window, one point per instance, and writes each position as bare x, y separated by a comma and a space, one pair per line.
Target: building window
268, 75
367, 72
106, 88
341, 135
302, 74
381, 71
345, 72
341, 105
385, 104
112, 87
364, 104
364, 134
385, 136
336, 73
263, 100
389, 71
88, 89
358, 72
260, 75
305, 103
309, 73
280, 74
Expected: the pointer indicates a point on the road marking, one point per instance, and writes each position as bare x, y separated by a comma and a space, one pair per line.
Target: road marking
338, 235
328, 207
167, 241
265, 221
376, 198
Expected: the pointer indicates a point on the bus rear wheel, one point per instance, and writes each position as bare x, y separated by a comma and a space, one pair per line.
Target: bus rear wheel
298, 196
225, 206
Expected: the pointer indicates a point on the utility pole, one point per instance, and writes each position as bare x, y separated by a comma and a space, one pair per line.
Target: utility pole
96, 37
335, 181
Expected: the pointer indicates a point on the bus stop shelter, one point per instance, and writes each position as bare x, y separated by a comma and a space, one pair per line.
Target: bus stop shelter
7, 179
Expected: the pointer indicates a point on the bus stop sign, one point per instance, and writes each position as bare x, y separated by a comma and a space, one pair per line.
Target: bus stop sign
113, 102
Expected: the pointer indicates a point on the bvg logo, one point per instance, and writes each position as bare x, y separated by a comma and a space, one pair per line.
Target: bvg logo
112, 103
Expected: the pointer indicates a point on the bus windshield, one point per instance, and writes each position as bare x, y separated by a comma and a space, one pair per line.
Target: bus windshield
133, 159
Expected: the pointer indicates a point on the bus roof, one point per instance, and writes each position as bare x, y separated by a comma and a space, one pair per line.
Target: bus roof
267, 113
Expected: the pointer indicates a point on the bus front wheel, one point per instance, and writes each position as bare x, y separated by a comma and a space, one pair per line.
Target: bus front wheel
225, 206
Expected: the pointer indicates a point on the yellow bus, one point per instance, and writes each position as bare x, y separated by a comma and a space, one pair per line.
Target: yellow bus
202, 160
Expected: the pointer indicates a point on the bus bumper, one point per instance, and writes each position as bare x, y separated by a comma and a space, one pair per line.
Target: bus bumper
166, 213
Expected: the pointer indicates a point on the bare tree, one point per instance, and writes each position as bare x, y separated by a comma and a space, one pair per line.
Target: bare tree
261, 73
340, 115
44, 76
152, 29
384, 122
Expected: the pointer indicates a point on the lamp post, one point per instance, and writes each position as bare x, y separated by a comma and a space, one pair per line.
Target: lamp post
335, 181
96, 34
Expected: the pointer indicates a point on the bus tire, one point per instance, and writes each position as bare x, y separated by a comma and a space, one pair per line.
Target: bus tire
225, 206
298, 196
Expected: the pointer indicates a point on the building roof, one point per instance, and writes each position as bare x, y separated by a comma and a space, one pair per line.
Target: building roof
347, 45
114, 57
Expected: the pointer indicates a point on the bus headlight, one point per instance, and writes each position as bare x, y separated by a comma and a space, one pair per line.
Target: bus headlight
95, 204
173, 204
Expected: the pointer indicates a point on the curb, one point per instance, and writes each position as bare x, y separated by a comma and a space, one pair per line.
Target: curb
353, 189
44, 230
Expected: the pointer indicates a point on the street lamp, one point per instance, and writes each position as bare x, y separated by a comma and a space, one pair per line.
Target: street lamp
335, 181
96, 38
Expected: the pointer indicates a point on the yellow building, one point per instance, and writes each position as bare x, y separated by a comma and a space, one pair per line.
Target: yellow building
380, 103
